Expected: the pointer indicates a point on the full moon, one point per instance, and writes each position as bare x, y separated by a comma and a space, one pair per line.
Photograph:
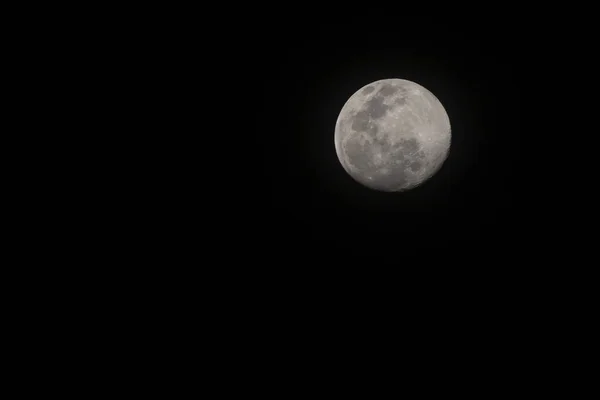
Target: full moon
392, 135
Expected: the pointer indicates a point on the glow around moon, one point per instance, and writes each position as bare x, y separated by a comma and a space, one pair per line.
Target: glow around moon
392, 135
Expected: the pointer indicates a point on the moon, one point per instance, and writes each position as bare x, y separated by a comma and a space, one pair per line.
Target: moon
392, 135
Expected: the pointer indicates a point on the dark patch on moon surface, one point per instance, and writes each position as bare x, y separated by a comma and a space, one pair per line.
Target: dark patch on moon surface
387, 90
368, 90
360, 122
405, 150
415, 166
384, 144
395, 177
401, 96
376, 108
409, 146
398, 154
372, 130
400, 101
358, 155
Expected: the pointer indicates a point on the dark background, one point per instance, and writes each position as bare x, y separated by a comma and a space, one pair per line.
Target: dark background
240, 182
229, 199
309, 204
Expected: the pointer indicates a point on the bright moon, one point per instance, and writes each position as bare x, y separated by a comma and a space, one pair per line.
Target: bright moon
392, 135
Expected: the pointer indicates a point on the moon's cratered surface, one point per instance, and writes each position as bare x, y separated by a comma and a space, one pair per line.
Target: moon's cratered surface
392, 135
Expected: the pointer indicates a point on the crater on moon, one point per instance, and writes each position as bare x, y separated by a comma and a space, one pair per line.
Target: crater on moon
392, 135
